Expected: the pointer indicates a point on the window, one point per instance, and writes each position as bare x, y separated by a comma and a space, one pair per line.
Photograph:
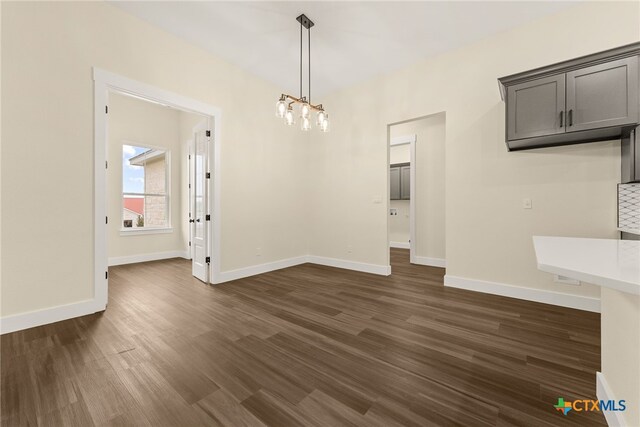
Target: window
145, 184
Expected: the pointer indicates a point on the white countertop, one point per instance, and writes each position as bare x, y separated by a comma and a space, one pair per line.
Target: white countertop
605, 262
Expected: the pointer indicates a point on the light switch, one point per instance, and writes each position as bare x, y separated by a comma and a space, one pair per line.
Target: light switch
393, 211
526, 204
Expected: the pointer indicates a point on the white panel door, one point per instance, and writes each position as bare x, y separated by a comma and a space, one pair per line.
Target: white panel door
199, 206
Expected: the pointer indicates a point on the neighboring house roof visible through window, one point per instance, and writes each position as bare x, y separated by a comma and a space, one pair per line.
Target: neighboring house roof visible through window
151, 154
134, 204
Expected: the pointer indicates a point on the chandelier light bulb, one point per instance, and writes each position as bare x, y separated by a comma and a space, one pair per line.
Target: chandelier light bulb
305, 110
289, 117
306, 124
324, 127
281, 109
320, 117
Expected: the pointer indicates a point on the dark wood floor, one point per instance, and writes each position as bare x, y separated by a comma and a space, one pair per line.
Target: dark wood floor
307, 345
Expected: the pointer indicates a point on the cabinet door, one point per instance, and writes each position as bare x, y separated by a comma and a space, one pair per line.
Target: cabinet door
394, 187
603, 95
535, 108
405, 182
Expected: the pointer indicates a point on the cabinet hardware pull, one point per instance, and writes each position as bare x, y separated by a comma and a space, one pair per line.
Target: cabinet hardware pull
571, 117
561, 118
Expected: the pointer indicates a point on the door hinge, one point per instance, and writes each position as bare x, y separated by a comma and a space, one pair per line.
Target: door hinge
106, 164
189, 243
208, 175
208, 133
207, 260
208, 217
189, 185
106, 274
106, 109
189, 156
106, 220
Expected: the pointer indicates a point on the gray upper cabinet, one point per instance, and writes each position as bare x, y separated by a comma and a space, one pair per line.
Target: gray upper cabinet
592, 98
400, 181
534, 108
603, 95
405, 182
394, 181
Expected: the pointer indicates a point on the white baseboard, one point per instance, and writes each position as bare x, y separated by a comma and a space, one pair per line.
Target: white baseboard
433, 262
253, 270
55, 314
227, 276
383, 270
603, 392
32, 319
400, 245
529, 294
132, 259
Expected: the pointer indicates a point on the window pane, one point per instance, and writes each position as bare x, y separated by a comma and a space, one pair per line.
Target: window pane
133, 211
198, 189
144, 187
155, 172
132, 169
155, 211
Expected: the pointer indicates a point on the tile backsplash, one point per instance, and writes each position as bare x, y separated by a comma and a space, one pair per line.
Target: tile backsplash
629, 207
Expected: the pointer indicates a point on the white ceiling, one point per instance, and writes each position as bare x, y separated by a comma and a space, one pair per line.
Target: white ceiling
351, 41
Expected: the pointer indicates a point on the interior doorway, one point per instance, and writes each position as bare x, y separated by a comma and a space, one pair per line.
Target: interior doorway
416, 205
160, 209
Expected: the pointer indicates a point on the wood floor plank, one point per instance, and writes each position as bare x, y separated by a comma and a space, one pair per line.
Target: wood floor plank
304, 346
220, 408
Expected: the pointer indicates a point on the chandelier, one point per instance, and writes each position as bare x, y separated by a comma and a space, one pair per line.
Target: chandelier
284, 106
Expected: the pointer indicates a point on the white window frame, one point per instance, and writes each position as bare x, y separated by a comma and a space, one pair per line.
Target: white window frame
125, 231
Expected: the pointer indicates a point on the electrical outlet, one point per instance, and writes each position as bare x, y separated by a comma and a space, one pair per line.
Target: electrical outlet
565, 280
526, 204
349, 249
258, 252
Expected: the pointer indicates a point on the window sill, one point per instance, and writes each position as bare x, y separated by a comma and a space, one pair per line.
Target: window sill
144, 231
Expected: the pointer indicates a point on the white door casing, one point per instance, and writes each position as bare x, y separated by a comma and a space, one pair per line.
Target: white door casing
104, 82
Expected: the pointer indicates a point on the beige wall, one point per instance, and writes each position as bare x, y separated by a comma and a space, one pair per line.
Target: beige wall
47, 79
621, 349
133, 121
488, 234
429, 167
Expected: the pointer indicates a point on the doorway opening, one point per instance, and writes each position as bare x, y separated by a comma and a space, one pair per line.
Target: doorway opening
156, 179
416, 205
